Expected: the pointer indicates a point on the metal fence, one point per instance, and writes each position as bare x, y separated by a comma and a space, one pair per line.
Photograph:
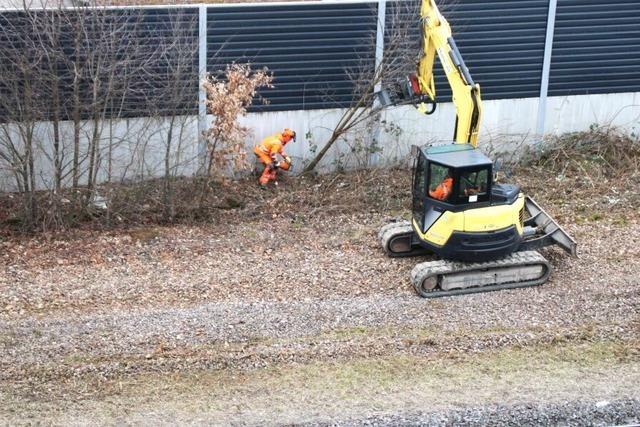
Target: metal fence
502, 43
514, 48
132, 54
595, 48
306, 46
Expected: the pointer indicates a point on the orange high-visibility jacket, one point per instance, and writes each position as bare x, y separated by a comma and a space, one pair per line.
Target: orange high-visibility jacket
443, 190
273, 145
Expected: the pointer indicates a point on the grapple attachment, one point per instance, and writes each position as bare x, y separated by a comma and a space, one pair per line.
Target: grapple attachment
406, 92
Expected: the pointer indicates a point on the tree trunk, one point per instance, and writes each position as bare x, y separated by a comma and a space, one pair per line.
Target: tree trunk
77, 75
110, 152
168, 211
312, 165
28, 166
346, 122
76, 131
32, 180
57, 162
93, 149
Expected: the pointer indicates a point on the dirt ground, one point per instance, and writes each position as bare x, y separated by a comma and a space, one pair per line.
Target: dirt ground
283, 309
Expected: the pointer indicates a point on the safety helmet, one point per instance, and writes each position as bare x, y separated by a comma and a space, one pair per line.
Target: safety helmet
290, 134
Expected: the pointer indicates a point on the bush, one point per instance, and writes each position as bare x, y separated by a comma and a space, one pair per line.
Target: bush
600, 151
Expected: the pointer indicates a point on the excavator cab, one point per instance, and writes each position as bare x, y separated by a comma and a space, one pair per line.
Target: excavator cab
452, 194
448, 178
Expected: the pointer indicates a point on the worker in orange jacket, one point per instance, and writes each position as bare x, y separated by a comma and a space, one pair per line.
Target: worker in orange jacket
269, 148
443, 190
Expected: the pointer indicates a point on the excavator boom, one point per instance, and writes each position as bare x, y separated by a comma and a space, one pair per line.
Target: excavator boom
419, 89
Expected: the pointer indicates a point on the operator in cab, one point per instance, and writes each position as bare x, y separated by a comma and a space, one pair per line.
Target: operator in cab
444, 189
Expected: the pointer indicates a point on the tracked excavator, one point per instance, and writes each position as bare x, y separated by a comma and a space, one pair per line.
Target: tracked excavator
484, 233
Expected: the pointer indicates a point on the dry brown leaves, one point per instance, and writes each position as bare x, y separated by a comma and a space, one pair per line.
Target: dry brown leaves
227, 100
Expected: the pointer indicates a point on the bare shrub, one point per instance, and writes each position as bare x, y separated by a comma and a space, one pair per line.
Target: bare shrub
82, 86
399, 57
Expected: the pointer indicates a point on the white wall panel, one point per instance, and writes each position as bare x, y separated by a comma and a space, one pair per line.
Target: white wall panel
138, 145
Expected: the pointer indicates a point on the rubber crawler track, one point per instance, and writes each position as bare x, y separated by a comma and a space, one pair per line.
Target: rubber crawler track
441, 268
399, 230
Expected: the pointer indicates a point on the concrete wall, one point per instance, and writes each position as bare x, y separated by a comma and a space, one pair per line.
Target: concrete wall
134, 149
507, 124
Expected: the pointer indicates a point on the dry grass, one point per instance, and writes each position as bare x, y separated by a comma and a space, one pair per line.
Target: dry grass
323, 391
566, 170
141, 204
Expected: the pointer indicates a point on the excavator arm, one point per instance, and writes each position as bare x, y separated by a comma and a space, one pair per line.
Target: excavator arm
419, 89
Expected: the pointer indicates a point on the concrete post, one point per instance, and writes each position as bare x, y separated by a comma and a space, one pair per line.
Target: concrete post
546, 67
202, 96
382, 16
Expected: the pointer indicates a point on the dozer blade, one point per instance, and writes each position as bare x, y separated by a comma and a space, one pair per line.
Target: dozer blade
541, 230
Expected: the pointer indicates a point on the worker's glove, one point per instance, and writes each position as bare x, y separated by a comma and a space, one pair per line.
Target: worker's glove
287, 159
284, 166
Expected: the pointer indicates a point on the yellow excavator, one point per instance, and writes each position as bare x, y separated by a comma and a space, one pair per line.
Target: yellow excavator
485, 234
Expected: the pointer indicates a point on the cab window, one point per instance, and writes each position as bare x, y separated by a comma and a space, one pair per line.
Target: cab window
419, 175
419, 186
473, 184
440, 182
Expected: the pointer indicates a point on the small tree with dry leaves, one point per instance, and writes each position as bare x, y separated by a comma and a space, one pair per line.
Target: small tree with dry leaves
227, 100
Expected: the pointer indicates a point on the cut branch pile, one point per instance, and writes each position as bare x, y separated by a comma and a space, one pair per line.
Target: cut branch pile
601, 151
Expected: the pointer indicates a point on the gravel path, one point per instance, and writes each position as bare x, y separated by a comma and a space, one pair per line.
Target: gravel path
546, 315
603, 413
